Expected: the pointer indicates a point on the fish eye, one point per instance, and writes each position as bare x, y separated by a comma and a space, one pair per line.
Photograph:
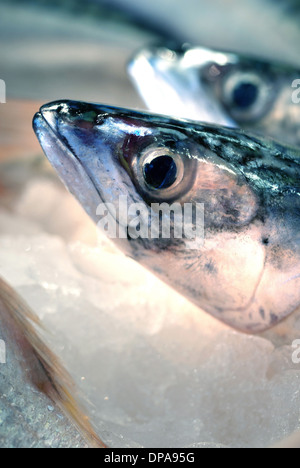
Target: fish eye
167, 171
160, 172
161, 169
246, 96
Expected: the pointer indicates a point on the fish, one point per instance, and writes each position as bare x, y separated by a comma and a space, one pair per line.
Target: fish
245, 269
221, 87
37, 409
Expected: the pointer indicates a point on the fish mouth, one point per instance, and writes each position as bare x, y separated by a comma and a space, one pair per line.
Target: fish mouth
81, 142
63, 157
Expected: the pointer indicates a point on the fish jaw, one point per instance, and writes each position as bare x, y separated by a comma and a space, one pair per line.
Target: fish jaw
168, 85
251, 221
63, 159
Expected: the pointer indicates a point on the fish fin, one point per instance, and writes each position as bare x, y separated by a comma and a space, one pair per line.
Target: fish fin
43, 369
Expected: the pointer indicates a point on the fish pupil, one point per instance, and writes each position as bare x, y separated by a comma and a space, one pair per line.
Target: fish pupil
245, 95
161, 172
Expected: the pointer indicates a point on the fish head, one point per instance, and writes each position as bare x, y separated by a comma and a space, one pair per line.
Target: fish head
169, 85
138, 170
220, 87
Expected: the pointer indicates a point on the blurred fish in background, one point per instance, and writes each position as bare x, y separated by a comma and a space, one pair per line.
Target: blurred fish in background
220, 87
69, 47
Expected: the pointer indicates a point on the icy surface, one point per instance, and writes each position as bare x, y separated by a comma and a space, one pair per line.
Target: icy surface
151, 369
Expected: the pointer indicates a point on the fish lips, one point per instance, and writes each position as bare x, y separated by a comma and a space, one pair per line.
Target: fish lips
63, 158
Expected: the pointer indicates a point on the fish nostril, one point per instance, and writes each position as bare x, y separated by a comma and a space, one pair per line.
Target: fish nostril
72, 111
59, 109
266, 241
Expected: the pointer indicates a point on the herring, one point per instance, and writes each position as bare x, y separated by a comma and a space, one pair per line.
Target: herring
246, 273
221, 87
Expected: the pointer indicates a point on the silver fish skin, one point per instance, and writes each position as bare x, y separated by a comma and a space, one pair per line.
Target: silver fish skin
247, 272
221, 87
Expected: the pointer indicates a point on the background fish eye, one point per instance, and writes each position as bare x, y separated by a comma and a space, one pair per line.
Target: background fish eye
246, 95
